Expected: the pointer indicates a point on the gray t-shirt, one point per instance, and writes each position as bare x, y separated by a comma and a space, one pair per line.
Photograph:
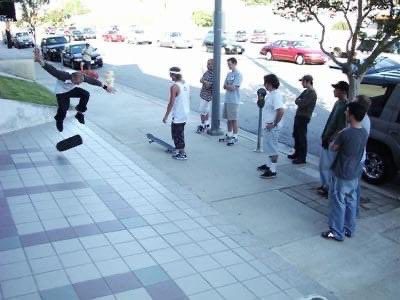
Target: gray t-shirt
233, 78
351, 142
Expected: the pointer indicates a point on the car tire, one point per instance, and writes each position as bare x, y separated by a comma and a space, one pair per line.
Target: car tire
300, 59
379, 166
268, 55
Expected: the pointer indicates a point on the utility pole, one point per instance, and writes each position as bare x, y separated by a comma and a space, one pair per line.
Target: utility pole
215, 112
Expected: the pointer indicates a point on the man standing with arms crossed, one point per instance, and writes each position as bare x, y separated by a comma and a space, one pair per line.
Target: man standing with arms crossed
206, 97
232, 99
305, 107
336, 122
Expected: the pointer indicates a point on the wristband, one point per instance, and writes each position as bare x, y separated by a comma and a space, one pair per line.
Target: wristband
104, 87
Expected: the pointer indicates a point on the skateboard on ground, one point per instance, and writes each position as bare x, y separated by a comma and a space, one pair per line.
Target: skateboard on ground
152, 139
69, 143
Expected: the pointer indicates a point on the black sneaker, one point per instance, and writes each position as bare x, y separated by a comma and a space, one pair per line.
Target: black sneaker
179, 156
232, 141
298, 161
292, 156
80, 117
59, 125
262, 168
268, 174
200, 129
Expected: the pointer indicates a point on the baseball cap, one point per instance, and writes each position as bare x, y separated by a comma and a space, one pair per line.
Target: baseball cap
306, 78
341, 85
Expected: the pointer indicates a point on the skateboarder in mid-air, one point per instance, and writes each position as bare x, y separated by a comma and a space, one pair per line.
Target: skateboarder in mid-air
67, 87
179, 106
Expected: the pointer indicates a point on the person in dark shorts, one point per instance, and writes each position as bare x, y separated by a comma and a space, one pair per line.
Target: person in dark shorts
178, 106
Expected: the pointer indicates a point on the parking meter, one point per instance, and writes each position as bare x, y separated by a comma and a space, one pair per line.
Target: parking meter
261, 93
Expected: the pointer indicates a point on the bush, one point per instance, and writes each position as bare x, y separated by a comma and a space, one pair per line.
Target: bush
202, 18
341, 25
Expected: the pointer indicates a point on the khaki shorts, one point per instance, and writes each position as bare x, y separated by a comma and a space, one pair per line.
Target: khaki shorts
271, 137
231, 111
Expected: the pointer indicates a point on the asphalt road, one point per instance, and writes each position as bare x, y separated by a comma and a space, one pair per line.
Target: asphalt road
145, 68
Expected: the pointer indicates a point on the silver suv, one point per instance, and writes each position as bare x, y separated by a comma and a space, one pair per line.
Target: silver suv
383, 148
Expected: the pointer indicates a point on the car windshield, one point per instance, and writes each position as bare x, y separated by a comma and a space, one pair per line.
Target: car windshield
139, 31
22, 34
56, 40
385, 62
176, 34
75, 49
76, 32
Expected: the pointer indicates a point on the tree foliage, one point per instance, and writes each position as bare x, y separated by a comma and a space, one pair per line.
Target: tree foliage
59, 16
202, 18
31, 9
357, 14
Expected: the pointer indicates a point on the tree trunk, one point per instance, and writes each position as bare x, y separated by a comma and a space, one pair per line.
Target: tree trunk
354, 86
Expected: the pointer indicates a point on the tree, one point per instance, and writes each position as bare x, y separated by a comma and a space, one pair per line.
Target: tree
30, 12
75, 7
202, 18
59, 16
357, 14
257, 2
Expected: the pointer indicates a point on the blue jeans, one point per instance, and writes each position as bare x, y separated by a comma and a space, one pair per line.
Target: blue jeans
325, 162
358, 191
343, 206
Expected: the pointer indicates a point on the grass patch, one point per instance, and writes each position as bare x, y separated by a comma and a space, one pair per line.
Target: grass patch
25, 91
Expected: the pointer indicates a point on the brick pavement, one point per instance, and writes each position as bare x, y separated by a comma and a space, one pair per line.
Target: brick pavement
94, 222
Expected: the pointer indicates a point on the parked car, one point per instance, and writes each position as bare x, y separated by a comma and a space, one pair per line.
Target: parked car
382, 84
138, 36
68, 30
52, 47
383, 147
259, 36
299, 52
113, 36
22, 39
89, 33
50, 30
175, 40
77, 35
241, 36
72, 56
228, 44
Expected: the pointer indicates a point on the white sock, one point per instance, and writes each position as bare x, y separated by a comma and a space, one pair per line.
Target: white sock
235, 135
268, 162
229, 133
273, 167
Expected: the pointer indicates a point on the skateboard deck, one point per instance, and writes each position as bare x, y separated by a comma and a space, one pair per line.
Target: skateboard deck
152, 139
69, 143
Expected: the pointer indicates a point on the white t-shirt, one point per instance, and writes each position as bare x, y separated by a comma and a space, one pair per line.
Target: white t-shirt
181, 107
366, 124
273, 101
64, 86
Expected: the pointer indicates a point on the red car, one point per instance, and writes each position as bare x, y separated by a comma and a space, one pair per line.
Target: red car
113, 36
299, 52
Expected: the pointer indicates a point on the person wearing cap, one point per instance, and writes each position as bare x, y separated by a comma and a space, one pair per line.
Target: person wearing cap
349, 146
336, 122
179, 106
305, 107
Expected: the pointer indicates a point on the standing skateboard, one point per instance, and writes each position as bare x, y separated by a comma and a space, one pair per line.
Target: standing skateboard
69, 143
152, 139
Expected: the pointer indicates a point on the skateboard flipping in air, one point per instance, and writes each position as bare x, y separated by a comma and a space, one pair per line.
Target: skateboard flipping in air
67, 87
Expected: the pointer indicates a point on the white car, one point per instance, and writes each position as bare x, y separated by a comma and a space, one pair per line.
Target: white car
138, 36
175, 40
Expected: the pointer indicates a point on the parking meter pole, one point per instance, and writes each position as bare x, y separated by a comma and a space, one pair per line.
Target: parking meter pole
215, 113
259, 133
261, 93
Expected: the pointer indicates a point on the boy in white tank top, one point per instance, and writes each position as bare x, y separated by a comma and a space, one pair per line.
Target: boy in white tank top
178, 106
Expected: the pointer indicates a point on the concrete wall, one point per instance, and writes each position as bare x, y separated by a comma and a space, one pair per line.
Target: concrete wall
17, 115
19, 67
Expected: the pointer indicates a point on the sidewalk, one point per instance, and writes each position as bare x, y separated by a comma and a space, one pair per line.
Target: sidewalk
118, 218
